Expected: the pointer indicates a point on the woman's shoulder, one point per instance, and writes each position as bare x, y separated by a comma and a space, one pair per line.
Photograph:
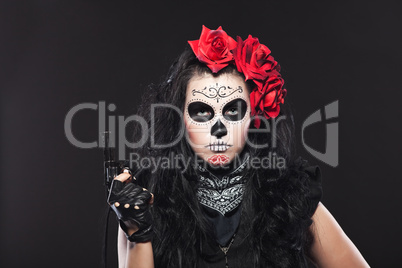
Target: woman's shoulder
331, 246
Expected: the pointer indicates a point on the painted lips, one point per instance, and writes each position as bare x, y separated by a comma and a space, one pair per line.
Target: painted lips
218, 159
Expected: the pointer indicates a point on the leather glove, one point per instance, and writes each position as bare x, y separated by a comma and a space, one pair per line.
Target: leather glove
130, 202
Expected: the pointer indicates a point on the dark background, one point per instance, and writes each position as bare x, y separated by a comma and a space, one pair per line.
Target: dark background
57, 54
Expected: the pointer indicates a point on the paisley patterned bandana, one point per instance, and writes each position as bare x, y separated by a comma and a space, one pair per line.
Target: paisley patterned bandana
221, 194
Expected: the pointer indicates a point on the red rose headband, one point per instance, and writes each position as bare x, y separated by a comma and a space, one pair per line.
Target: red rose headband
217, 50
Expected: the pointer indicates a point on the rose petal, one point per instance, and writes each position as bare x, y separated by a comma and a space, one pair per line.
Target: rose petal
273, 112
194, 45
257, 122
253, 102
269, 98
215, 67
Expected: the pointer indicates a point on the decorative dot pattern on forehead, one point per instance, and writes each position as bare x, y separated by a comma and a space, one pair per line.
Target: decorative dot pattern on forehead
217, 91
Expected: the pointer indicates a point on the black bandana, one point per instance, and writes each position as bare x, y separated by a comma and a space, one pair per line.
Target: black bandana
221, 194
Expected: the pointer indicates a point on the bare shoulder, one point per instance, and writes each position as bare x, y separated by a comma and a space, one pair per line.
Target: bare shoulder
331, 246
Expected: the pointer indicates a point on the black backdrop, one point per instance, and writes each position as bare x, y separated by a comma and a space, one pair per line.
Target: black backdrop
57, 54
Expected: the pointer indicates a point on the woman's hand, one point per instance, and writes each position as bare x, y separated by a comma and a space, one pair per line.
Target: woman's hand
131, 204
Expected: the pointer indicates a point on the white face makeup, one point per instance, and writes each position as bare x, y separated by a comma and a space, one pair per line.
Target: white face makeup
217, 117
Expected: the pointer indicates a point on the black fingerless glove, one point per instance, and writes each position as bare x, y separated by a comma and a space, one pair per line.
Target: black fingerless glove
138, 200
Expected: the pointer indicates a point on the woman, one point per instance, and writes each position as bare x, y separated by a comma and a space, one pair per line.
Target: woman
236, 196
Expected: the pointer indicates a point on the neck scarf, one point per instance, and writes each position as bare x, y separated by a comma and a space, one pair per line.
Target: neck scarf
221, 194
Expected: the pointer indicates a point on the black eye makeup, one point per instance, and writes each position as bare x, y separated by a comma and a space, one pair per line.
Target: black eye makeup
235, 110
200, 112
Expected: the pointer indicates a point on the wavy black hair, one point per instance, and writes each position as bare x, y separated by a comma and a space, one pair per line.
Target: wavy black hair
275, 205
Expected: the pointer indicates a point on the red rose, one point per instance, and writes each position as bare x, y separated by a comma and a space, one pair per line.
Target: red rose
265, 100
254, 60
213, 48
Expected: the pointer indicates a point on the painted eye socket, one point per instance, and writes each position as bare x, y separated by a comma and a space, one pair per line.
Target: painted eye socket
235, 110
200, 112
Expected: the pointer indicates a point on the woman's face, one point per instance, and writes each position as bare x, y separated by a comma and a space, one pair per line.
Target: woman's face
217, 117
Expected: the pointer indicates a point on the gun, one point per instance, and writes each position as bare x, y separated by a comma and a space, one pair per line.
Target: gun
112, 168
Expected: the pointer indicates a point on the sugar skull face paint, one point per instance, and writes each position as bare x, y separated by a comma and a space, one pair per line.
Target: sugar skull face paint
217, 117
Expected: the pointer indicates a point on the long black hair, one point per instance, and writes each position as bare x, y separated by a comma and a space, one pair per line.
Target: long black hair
275, 204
